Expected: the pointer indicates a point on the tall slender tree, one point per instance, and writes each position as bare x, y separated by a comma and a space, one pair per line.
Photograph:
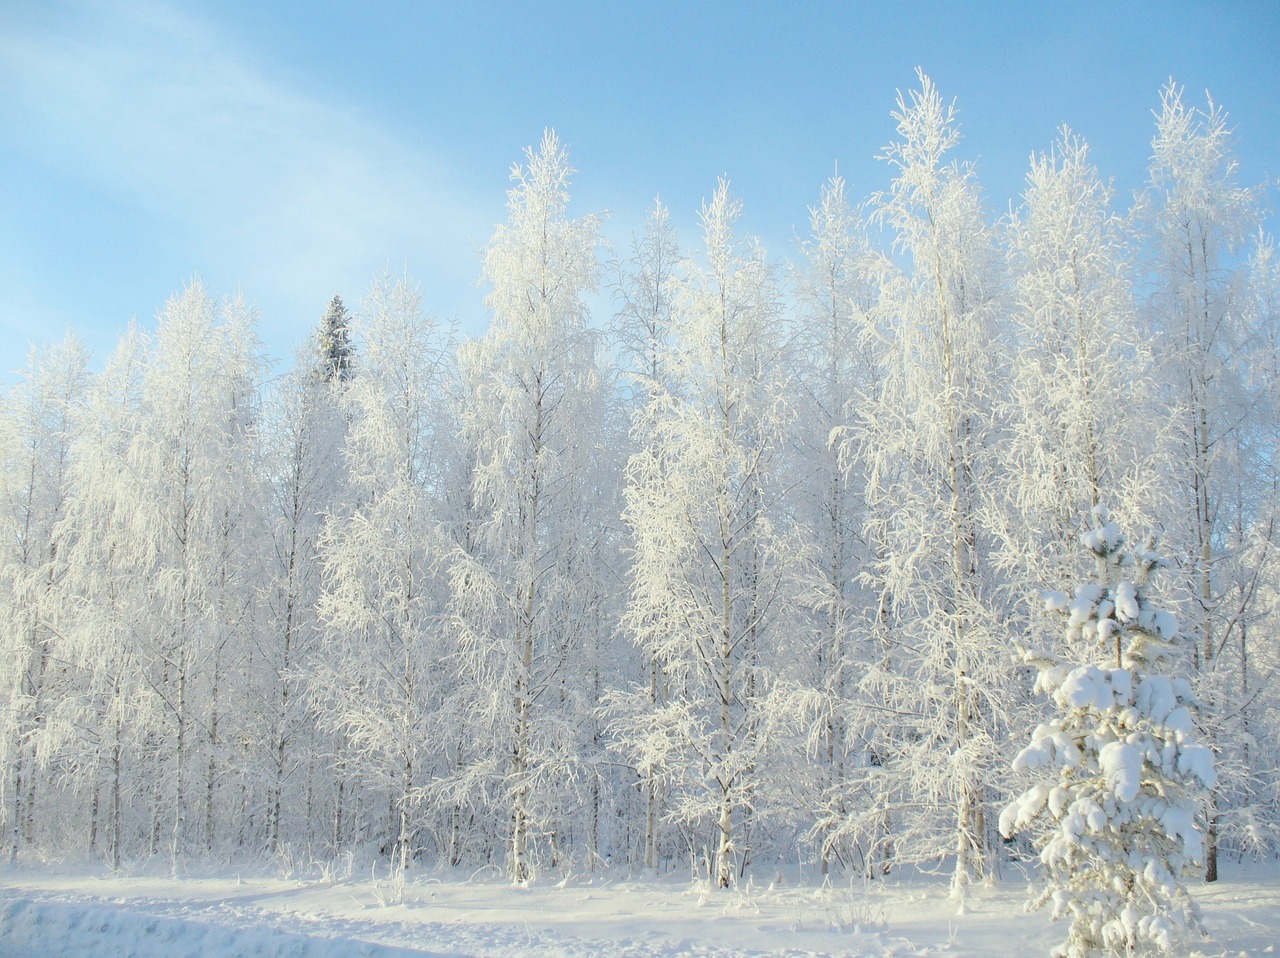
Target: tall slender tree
527, 598
303, 450
35, 462
379, 681
1209, 342
646, 289
186, 463
1083, 408
834, 365
112, 705
713, 576
928, 449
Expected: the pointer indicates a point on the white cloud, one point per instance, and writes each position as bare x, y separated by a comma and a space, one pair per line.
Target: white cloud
290, 196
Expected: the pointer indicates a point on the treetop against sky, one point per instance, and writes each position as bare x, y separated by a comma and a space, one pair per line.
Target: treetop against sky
292, 150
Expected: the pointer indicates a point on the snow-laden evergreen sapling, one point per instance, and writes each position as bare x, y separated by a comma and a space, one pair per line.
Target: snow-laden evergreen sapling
1120, 774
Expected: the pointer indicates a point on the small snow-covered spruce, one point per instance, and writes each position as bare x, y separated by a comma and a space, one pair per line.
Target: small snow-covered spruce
1120, 774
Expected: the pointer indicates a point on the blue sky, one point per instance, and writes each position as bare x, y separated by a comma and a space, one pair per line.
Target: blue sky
290, 150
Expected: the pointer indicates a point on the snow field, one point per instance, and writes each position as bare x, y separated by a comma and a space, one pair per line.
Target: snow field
52, 913
54, 929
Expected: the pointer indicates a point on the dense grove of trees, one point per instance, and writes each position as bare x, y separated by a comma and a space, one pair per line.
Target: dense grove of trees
739, 574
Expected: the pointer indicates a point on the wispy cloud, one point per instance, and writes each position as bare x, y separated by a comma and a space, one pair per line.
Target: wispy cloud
289, 193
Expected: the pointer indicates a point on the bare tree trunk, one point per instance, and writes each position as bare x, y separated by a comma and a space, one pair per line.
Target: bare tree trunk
15, 811
180, 756
211, 774
339, 802
116, 811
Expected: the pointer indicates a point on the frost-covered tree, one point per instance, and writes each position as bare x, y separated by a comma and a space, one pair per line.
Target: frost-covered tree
1082, 404
1082, 408
307, 481
399, 604
1253, 792
379, 678
190, 465
529, 607
35, 463
833, 366
1119, 775
337, 352
925, 441
1209, 344
237, 489
111, 707
646, 288
712, 583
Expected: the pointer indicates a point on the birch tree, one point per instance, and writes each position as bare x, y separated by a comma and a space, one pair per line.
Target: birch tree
193, 436
644, 291
1255, 815
527, 600
1209, 344
834, 365
1082, 407
307, 482
379, 679
646, 288
35, 461
926, 442
712, 578
112, 706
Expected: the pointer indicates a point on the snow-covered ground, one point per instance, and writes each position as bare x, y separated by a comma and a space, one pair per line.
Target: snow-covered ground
61, 911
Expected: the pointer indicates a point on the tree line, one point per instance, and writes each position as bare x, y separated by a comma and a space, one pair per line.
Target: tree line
737, 574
